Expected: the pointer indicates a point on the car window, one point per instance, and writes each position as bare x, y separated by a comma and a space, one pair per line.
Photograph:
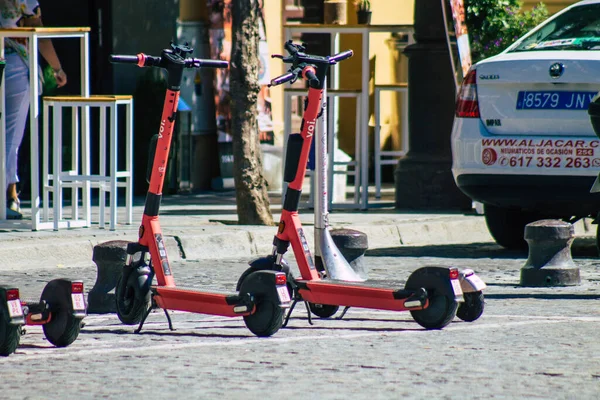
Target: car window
576, 29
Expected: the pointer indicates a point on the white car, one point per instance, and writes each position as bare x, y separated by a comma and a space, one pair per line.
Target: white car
522, 141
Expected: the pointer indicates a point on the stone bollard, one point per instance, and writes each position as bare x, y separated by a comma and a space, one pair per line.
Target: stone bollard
549, 262
353, 245
109, 258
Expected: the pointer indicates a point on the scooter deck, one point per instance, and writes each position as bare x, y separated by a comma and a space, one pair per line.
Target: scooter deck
359, 294
194, 300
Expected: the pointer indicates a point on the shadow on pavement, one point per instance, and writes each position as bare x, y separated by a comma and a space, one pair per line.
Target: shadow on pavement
584, 247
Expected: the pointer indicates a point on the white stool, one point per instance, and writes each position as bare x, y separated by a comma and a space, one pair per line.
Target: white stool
378, 153
78, 175
352, 166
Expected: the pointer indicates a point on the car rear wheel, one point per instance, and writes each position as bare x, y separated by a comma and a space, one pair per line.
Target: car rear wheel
507, 226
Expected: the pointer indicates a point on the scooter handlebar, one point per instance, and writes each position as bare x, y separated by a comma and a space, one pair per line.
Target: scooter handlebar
340, 56
208, 63
282, 79
117, 59
140, 60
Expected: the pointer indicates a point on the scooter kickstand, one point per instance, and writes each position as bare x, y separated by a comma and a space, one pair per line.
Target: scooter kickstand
308, 311
343, 312
139, 329
289, 313
169, 319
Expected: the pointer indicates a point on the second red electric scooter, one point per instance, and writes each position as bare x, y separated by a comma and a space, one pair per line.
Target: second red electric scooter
263, 296
431, 294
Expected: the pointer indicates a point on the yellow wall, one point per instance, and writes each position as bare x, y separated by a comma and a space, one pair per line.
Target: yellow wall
274, 23
387, 66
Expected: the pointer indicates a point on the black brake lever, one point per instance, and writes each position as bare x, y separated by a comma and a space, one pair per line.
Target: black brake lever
296, 73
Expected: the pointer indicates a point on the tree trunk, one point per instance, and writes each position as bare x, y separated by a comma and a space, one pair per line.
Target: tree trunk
250, 185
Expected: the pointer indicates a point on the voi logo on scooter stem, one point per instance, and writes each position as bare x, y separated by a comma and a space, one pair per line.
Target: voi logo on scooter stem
260, 301
311, 128
431, 294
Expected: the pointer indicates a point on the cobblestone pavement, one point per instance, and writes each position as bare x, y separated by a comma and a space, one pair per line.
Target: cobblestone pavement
533, 343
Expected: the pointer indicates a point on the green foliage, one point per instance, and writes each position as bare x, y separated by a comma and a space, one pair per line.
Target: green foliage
494, 25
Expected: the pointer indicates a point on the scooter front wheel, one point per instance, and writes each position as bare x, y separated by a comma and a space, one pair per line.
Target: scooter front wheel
133, 297
63, 327
472, 308
9, 337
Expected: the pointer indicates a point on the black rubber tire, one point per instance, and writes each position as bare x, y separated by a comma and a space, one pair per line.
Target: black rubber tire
323, 310
267, 319
133, 299
9, 337
507, 226
472, 308
439, 313
63, 328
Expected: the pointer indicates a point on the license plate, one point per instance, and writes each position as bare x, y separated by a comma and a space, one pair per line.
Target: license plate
284, 295
14, 308
554, 100
78, 302
456, 287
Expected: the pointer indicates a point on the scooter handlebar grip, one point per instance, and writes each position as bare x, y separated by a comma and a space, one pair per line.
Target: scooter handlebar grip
282, 79
141, 60
202, 63
120, 59
341, 56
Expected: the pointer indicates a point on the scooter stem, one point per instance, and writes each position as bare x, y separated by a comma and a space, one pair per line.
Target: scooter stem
332, 259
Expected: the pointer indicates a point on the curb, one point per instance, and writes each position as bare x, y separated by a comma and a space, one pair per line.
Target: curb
75, 248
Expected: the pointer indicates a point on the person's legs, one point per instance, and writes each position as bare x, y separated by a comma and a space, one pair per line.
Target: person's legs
17, 105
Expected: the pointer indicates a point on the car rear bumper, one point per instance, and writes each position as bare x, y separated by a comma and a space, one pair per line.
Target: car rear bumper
560, 196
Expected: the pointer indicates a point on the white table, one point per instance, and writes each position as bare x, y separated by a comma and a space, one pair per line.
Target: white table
364, 30
33, 35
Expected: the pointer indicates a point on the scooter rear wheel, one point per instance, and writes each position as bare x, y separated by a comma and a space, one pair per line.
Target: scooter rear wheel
63, 327
9, 337
472, 308
440, 312
267, 319
323, 310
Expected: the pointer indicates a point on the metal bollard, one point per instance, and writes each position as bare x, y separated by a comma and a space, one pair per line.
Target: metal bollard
549, 262
110, 258
353, 245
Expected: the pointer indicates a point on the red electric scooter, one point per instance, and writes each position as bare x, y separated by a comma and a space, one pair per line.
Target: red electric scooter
60, 311
431, 294
263, 297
